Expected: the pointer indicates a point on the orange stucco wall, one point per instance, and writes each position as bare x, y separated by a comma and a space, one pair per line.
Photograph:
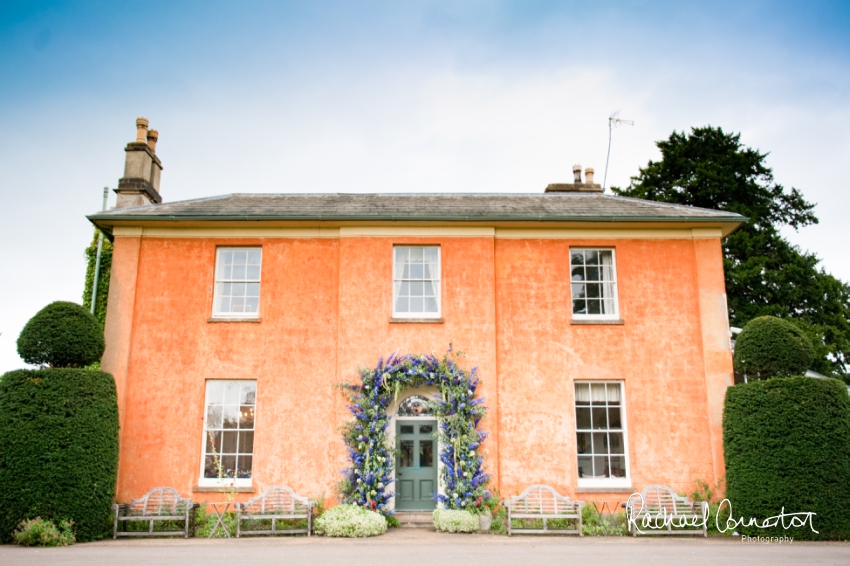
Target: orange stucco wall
326, 309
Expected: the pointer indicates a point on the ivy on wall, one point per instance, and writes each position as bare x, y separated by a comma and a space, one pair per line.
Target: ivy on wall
458, 410
103, 280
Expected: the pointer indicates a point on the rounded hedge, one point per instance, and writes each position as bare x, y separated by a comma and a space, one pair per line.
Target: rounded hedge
61, 335
787, 445
58, 449
770, 347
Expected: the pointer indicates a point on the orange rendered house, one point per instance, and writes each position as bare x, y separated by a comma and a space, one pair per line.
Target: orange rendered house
598, 325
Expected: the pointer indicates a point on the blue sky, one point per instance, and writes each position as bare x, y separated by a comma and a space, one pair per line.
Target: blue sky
395, 96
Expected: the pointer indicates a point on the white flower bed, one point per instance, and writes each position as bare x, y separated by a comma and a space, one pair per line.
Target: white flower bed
351, 521
452, 521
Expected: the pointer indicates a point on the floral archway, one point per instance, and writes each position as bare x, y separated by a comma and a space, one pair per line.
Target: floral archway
458, 409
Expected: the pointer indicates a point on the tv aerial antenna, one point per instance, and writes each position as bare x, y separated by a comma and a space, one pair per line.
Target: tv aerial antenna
614, 121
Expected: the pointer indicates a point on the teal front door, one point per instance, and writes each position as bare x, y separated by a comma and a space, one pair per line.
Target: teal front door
416, 466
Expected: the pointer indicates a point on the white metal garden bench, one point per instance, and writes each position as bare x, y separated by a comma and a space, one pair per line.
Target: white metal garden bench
159, 504
276, 503
660, 511
544, 503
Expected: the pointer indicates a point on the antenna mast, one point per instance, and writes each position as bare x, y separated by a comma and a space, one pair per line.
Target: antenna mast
613, 121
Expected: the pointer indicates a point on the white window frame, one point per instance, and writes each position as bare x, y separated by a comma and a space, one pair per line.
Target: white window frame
216, 281
226, 481
616, 300
438, 282
605, 482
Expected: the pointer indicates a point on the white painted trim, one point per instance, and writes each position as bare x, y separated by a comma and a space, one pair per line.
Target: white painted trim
228, 314
711, 233
616, 314
420, 231
127, 231
223, 482
606, 233
419, 315
610, 482
226, 232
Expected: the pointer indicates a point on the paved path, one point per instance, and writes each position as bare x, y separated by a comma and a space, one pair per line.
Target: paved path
415, 547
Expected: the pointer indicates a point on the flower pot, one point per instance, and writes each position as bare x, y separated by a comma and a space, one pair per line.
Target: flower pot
484, 521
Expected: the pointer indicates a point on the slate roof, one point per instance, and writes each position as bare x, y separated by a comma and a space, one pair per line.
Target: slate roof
452, 207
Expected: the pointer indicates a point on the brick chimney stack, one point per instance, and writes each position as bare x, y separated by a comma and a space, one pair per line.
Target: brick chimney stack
140, 184
577, 186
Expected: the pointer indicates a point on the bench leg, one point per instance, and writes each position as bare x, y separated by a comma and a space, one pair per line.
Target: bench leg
115, 526
509, 521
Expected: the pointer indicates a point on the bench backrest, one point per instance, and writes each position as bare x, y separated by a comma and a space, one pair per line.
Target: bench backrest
278, 499
541, 499
159, 501
658, 498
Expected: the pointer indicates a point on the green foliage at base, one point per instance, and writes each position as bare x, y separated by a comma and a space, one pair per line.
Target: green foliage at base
392, 522
596, 524
204, 523
58, 449
61, 334
351, 521
103, 280
454, 521
712, 494
787, 445
771, 347
500, 520
40, 532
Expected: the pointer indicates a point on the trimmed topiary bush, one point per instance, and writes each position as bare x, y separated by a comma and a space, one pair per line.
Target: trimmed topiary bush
770, 347
454, 521
787, 445
58, 449
61, 335
351, 521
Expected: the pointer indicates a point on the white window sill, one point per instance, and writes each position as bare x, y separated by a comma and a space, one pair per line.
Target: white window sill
412, 320
604, 484
628, 489
610, 321
215, 318
223, 489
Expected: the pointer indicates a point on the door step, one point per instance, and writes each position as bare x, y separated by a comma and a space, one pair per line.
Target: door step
415, 519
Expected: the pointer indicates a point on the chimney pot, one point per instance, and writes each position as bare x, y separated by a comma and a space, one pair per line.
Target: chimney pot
153, 135
588, 175
142, 168
577, 174
141, 129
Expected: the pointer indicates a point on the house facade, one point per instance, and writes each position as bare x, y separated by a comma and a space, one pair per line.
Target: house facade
598, 325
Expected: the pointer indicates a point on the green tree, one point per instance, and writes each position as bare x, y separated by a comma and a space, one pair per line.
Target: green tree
103, 280
765, 274
59, 426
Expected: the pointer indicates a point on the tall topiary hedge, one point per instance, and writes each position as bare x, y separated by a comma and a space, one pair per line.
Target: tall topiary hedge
61, 335
787, 445
58, 448
771, 347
